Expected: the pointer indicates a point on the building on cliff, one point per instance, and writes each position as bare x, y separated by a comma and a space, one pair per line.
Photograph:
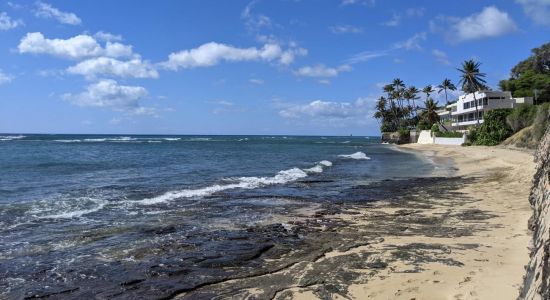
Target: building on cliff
463, 113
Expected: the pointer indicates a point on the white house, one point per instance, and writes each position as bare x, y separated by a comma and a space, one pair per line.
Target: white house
462, 113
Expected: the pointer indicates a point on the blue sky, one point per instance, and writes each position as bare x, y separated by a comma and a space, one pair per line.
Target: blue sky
242, 67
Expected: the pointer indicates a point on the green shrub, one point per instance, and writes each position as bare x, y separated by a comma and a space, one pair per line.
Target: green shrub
494, 128
403, 132
448, 134
472, 135
435, 128
522, 116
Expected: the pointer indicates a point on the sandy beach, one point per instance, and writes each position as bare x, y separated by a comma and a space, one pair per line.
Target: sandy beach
459, 234
488, 262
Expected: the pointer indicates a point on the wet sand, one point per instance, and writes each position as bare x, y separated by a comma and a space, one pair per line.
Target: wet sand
462, 236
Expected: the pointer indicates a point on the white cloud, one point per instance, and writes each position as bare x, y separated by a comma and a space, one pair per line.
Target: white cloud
109, 94
108, 37
254, 22
490, 22
5, 78
441, 57
45, 10
394, 21
412, 43
359, 2
339, 29
321, 71
329, 112
7, 23
211, 54
91, 68
256, 81
365, 56
77, 47
538, 10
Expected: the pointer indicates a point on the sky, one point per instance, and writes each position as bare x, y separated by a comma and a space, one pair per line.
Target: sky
302, 67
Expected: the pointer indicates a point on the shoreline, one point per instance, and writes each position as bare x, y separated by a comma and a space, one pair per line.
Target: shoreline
459, 236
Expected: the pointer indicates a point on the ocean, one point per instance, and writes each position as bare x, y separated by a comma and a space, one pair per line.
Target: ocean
146, 216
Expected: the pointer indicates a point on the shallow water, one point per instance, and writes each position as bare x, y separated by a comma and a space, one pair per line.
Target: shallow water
85, 215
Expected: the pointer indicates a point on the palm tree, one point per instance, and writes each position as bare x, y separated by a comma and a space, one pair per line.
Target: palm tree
399, 88
428, 90
413, 93
430, 111
444, 86
471, 80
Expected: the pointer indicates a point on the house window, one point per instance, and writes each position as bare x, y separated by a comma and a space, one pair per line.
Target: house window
466, 105
485, 101
481, 115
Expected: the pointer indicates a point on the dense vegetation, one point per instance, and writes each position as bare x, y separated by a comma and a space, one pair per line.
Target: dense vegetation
494, 129
500, 124
531, 77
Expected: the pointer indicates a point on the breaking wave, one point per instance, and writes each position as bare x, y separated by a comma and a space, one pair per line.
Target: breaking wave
356, 155
253, 182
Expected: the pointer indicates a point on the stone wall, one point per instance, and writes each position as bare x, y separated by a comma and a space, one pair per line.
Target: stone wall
536, 283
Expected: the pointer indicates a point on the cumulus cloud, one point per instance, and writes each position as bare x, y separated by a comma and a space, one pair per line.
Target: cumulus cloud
211, 54
490, 22
77, 47
45, 10
109, 94
7, 23
441, 57
329, 112
321, 71
108, 37
339, 29
537, 10
5, 78
106, 66
412, 43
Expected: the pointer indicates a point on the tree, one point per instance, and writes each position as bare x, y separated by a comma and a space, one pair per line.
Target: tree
444, 86
429, 113
531, 77
412, 92
428, 90
471, 80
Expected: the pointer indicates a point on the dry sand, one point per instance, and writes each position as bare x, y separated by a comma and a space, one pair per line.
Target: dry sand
494, 268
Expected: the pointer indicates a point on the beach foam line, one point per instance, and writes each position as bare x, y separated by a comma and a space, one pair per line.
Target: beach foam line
282, 177
356, 155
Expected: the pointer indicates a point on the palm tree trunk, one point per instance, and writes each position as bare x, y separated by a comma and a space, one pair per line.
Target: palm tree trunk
477, 110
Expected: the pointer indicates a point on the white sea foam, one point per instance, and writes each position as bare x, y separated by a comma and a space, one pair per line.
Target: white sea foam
67, 209
319, 167
326, 163
316, 169
68, 141
10, 137
172, 139
356, 155
239, 182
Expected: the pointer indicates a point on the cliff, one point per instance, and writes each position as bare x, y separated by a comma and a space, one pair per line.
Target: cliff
536, 283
